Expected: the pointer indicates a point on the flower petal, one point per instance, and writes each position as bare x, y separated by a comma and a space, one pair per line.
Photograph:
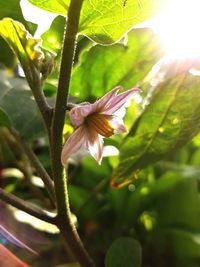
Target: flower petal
78, 114
118, 125
118, 101
106, 99
73, 143
94, 144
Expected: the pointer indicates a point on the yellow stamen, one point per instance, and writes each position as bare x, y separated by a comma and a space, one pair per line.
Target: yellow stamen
100, 123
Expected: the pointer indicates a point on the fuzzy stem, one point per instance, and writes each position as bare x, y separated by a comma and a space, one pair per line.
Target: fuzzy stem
25, 206
65, 223
36, 88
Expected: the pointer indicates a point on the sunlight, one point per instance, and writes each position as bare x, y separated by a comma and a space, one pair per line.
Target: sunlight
178, 26
38, 16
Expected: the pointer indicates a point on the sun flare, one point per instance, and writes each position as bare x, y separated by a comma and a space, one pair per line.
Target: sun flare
178, 27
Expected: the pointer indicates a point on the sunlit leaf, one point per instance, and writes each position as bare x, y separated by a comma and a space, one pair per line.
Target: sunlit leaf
124, 252
22, 43
96, 20
120, 64
4, 119
32, 57
6, 55
55, 6
97, 23
170, 120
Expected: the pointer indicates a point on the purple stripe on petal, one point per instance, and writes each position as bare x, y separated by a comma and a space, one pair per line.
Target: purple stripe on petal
73, 144
78, 114
106, 99
118, 101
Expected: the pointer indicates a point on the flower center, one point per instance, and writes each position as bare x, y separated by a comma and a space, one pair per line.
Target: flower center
100, 123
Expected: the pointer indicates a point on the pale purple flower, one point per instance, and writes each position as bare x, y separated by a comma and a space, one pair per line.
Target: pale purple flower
95, 121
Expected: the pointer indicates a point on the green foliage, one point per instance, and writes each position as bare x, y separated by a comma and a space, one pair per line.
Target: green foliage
165, 125
120, 64
124, 252
155, 221
22, 43
55, 6
4, 119
33, 58
95, 20
16, 100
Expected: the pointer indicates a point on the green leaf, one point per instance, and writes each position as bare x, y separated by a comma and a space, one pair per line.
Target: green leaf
19, 105
171, 119
55, 6
6, 56
14, 12
33, 58
106, 21
124, 252
4, 119
178, 216
52, 39
136, 59
21, 42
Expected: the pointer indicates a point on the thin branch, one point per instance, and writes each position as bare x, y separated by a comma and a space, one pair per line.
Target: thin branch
37, 165
36, 88
65, 222
26, 207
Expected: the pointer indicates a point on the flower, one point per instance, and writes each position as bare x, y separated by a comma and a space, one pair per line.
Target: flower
95, 121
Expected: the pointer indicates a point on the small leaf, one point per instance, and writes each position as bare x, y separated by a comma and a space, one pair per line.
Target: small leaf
106, 21
124, 252
4, 119
136, 59
23, 44
171, 119
32, 57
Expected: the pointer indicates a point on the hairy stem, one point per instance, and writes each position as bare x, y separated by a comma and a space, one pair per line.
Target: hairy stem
65, 223
35, 84
25, 206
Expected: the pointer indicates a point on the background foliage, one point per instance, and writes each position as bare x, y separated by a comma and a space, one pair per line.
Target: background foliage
141, 207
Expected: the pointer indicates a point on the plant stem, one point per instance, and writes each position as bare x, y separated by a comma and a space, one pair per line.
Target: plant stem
27, 207
37, 165
36, 88
65, 223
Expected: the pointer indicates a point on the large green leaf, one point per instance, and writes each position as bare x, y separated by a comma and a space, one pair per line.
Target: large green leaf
170, 120
119, 64
21, 109
124, 252
55, 6
106, 21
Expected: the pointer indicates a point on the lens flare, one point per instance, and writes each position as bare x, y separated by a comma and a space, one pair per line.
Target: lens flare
178, 27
